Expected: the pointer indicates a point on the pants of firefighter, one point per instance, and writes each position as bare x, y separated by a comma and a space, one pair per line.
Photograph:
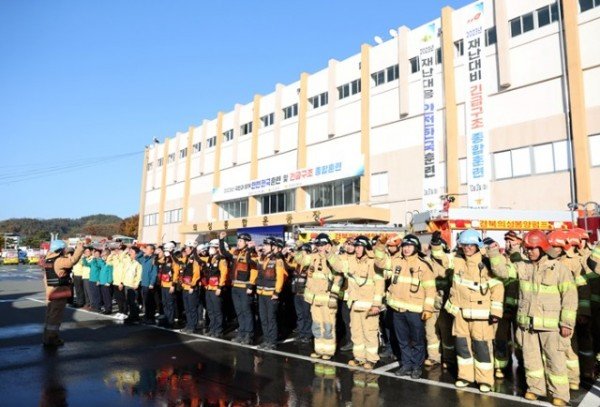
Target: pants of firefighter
323, 329
410, 333
502, 339
474, 350
364, 330
303, 318
432, 337
119, 296
585, 350
214, 306
190, 304
170, 305
267, 310
344, 312
106, 292
444, 324
149, 304
242, 302
78, 290
595, 328
365, 389
545, 362
54, 315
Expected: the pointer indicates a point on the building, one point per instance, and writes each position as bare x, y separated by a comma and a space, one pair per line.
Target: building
384, 133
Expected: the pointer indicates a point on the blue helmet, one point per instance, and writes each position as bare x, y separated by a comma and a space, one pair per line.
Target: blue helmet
57, 245
470, 236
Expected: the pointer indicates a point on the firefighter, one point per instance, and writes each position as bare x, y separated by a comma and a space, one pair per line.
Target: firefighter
57, 276
215, 274
546, 314
168, 275
269, 283
476, 302
411, 296
303, 318
343, 308
202, 258
563, 252
243, 280
507, 324
442, 329
189, 271
365, 295
322, 288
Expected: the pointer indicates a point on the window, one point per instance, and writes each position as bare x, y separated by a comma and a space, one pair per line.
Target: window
278, 202
490, 36
438, 55
212, 141
585, 5
341, 192
355, 85
151, 219
392, 73
183, 153
459, 47
290, 111
547, 14
173, 216
246, 128
378, 77
319, 100
462, 166
502, 165
521, 162
171, 158
228, 135
522, 24
148, 166
196, 147
234, 209
543, 158
594, 147
379, 184
414, 64
268, 120
160, 162
343, 91
561, 156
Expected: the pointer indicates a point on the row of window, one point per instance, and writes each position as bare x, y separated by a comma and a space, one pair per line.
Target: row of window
388, 74
173, 216
151, 219
530, 160
349, 89
585, 5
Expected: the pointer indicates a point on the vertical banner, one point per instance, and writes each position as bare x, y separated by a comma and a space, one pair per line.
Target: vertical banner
478, 154
432, 185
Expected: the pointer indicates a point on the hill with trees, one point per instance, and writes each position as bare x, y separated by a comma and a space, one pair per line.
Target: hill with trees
34, 231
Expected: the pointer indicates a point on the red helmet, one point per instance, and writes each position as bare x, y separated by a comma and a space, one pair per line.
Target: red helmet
573, 237
559, 238
581, 233
536, 238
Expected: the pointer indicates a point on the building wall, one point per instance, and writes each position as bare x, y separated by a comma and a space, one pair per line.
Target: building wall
528, 113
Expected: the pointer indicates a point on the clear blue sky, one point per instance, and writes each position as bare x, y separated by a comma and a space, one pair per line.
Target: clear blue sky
83, 81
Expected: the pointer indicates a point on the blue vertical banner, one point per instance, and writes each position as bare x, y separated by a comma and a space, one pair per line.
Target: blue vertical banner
432, 179
478, 149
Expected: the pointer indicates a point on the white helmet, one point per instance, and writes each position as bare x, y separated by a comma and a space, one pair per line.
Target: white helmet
290, 243
213, 243
202, 247
168, 247
190, 243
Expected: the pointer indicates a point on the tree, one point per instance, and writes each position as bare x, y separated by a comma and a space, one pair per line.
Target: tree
129, 226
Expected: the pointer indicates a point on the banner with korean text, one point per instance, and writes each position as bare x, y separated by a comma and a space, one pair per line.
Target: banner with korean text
432, 179
478, 154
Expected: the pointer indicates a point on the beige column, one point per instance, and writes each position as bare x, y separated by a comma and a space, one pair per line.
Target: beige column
365, 121
403, 70
278, 118
186, 187
332, 94
203, 146
236, 133
163, 193
301, 151
143, 196
450, 113
217, 167
254, 152
502, 49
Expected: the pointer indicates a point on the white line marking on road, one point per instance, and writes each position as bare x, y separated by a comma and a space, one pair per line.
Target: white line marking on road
592, 398
342, 365
386, 368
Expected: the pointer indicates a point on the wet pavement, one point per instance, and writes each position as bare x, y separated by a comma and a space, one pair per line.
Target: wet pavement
106, 363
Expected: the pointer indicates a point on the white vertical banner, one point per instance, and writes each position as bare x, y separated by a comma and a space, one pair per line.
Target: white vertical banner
432, 179
478, 149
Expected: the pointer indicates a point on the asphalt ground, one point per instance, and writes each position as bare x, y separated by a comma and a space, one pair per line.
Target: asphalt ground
106, 363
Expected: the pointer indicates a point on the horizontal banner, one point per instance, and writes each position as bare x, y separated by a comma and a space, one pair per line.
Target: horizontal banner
332, 171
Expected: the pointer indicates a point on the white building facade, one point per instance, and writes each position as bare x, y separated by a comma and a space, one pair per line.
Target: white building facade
489, 104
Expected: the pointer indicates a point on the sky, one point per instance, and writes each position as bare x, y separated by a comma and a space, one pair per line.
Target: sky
85, 85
